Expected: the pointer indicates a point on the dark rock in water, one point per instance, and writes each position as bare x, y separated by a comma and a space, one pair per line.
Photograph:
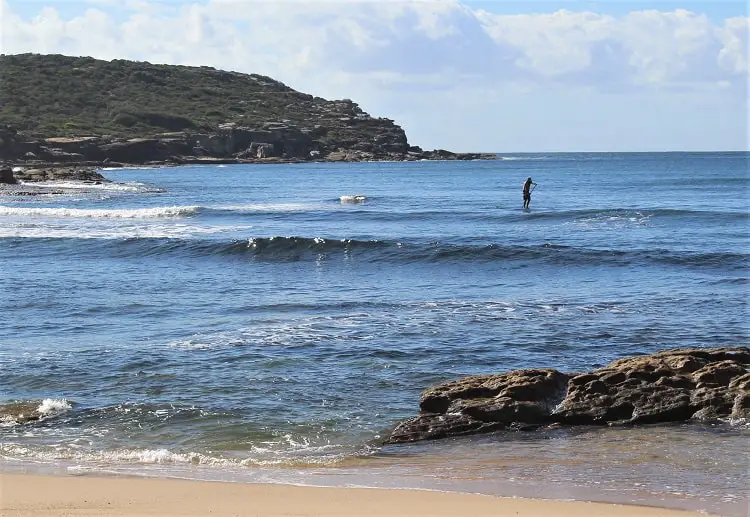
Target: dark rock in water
431, 426
16, 413
482, 403
55, 173
669, 386
673, 385
6, 176
30, 411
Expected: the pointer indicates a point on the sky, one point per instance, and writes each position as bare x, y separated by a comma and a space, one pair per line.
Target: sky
468, 76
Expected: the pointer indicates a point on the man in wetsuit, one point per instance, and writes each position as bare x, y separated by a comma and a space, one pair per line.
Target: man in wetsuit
527, 192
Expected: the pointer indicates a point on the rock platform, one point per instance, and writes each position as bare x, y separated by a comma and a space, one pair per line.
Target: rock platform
698, 384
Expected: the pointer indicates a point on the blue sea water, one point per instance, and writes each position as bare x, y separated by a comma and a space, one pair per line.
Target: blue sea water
271, 323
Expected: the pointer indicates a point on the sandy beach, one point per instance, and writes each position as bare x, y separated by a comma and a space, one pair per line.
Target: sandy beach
37, 496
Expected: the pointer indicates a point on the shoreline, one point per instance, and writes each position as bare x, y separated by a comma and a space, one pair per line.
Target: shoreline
15, 173
33, 495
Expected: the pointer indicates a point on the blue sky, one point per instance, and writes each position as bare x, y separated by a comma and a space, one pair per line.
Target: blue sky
463, 75
716, 10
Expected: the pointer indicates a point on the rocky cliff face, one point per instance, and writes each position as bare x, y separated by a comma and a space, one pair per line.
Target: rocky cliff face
228, 144
670, 386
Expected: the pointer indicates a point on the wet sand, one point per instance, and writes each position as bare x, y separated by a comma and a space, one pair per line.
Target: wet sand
46, 496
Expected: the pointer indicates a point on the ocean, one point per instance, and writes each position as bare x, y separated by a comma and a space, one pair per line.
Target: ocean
272, 323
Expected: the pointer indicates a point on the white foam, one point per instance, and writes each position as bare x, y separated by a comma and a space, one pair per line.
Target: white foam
106, 186
269, 207
51, 407
8, 421
47, 408
521, 158
140, 456
353, 198
118, 458
189, 344
144, 168
150, 231
157, 456
137, 213
607, 219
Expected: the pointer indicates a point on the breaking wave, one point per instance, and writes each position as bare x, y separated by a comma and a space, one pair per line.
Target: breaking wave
353, 199
296, 248
15, 413
138, 213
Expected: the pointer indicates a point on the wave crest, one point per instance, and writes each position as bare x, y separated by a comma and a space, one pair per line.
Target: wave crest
137, 213
353, 199
294, 248
17, 413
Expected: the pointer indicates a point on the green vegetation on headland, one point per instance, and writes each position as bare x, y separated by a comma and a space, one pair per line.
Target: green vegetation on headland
61, 109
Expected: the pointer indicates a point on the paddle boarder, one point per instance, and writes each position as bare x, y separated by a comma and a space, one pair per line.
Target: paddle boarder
527, 190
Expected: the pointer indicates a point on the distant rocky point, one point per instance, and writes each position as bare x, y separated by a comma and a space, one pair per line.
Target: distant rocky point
698, 384
86, 112
38, 173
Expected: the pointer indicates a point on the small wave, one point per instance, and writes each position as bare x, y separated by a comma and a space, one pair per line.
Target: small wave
138, 456
132, 168
730, 281
353, 199
278, 244
156, 231
71, 438
89, 186
302, 455
137, 213
295, 248
641, 215
523, 158
267, 207
51, 407
150, 456
586, 218
16, 413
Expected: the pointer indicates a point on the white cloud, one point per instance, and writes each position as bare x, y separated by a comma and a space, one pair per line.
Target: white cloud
388, 51
409, 38
734, 36
642, 48
665, 47
551, 44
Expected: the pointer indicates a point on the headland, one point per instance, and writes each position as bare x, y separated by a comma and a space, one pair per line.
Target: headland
61, 113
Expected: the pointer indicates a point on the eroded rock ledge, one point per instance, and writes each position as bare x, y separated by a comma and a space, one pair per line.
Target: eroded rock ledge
668, 386
272, 143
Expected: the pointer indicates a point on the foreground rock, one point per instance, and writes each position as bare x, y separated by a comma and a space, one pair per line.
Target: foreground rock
669, 386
